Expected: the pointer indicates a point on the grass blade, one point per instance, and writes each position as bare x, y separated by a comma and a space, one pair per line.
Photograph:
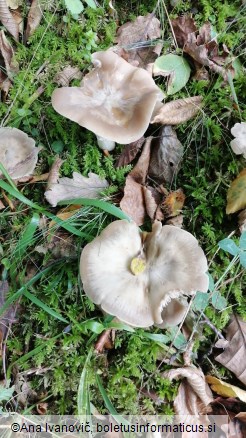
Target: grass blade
43, 306
103, 205
82, 398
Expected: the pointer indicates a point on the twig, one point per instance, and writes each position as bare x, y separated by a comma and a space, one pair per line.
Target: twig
209, 323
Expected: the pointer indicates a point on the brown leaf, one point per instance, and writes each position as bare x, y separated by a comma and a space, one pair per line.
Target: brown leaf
201, 46
34, 17
178, 111
194, 395
182, 26
8, 20
173, 203
152, 200
129, 152
77, 187
42, 408
234, 354
139, 172
166, 156
7, 66
65, 76
131, 37
236, 195
133, 202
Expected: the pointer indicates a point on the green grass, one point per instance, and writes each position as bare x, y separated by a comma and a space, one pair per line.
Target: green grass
57, 324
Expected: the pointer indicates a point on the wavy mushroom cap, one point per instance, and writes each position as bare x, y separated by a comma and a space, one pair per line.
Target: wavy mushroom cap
18, 153
115, 100
168, 264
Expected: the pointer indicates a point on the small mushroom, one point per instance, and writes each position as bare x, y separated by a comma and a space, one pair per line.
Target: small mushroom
18, 153
238, 144
141, 278
115, 101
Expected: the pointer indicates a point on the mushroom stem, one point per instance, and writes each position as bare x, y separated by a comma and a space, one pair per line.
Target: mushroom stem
105, 144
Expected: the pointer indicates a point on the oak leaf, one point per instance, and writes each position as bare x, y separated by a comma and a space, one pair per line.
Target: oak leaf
178, 111
77, 187
236, 195
234, 354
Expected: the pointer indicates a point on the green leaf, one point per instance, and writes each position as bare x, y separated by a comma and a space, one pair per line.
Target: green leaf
91, 3
174, 66
74, 6
57, 146
120, 326
242, 258
201, 301
242, 241
229, 246
218, 301
94, 326
157, 337
210, 282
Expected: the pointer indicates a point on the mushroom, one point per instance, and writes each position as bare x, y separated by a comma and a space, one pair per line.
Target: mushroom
115, 101
238, 144
141, 278
18, 153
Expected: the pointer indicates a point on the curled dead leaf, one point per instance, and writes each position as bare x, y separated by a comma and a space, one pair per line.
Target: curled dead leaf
194, 395
7, 66
34, 17
166, 156
178, 111
233, 356
236, 195
8, 20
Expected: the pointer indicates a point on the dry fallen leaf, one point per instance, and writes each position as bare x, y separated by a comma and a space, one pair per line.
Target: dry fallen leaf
225, 389
133, 202
65, 76
105, 341
34, 17
152, 199
236, 195
77, 187
173, 203
201, 46
178, 111
166, 156
234, 355
132, 37
129, 152
176, 221
194, 395
8, 20
7, 66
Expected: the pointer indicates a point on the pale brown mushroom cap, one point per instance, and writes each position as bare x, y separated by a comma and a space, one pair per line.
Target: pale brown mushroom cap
18, 153
115, 100
175, 266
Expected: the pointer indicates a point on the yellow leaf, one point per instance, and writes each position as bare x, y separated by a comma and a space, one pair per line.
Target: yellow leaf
236, 195
173, 203
225, 389
65, 213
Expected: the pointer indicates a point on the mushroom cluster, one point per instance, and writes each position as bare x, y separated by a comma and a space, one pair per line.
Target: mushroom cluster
142, 278
18, 153
115, 100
